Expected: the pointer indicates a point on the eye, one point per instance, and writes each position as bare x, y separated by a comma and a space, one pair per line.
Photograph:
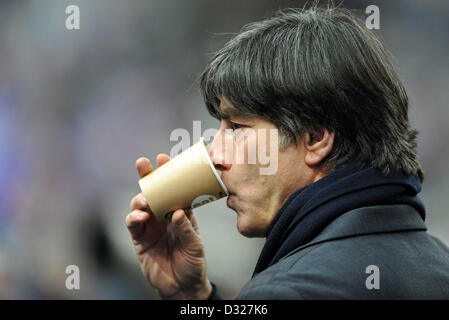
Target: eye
235, 126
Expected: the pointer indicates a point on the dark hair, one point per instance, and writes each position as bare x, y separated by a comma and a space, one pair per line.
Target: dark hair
313, 69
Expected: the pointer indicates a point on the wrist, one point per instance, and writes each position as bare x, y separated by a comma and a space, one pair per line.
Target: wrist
199, 292
204, 292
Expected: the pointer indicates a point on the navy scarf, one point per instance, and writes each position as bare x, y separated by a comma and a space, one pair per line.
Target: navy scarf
309, 210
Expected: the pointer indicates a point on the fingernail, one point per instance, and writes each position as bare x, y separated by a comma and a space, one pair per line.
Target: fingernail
182, 220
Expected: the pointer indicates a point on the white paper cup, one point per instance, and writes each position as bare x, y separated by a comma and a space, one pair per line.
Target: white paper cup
187, 181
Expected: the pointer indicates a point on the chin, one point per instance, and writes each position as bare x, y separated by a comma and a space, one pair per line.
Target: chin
248, 229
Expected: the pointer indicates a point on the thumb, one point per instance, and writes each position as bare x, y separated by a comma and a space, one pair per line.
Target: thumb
184, 230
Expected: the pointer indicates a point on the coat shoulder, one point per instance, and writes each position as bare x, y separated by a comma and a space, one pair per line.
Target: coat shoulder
396, 265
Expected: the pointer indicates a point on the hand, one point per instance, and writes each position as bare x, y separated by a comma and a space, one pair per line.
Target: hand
170, 253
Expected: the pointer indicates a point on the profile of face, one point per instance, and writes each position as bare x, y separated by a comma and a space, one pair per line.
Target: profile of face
256, 197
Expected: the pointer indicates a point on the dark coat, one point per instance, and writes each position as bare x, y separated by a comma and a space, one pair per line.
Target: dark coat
411, 263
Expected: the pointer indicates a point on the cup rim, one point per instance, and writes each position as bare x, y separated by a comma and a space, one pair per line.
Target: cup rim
203, 144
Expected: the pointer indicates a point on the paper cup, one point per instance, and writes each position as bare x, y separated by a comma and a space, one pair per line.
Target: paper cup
187, 181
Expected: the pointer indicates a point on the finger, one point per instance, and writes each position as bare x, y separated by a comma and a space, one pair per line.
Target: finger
135, 222
139, 203
183, 228
162, 158
143, 166
191, 216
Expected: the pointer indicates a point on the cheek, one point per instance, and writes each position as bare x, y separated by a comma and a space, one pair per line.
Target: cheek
253, 194
249, 170
250, 186
245, 147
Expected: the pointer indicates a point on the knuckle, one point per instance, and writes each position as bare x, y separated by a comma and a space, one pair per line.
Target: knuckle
128, 220
131, 218
135, 213
131, 203
142, 200
138, 202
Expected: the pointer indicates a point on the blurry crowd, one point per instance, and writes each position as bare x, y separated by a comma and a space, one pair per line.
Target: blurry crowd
77, 108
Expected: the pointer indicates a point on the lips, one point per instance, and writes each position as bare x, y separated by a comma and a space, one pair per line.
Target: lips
229, 198
229, 191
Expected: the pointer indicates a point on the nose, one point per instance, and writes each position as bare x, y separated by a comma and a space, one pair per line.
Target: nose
220, 152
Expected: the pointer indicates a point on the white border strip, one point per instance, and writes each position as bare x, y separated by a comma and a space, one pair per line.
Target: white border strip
213, 167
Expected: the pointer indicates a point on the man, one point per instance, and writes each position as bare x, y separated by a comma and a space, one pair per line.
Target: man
340, 215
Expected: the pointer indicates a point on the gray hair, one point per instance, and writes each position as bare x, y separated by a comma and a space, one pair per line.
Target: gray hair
314, 69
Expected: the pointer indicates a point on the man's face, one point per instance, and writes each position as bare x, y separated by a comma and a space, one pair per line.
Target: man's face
255, 197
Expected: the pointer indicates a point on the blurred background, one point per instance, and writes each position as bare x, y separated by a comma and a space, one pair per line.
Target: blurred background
77, 108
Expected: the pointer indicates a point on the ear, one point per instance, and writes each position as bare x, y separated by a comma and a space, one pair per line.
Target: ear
317, 145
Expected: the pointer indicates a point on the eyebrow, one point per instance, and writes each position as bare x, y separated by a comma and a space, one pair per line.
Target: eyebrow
230, 112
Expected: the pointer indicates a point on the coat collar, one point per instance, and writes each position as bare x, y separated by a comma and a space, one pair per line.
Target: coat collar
369, 220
